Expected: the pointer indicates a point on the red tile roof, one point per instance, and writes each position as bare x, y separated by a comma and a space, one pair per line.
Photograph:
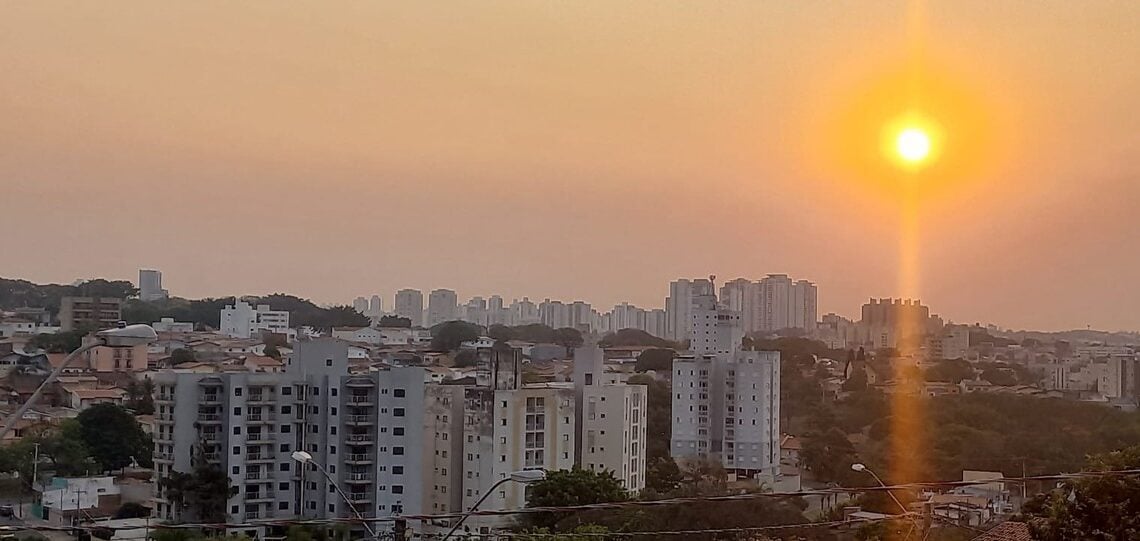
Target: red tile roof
1007, 531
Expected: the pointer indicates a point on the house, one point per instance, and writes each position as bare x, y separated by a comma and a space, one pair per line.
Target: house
65, 500
261, 363
483, 342
367, 335
1007, 531
962, 509
790, 449
81, 398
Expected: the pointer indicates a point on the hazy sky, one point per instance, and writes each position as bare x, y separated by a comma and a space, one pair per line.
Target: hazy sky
590, 150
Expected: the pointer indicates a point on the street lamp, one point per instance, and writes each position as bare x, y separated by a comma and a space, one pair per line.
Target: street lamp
305, 458
522, 477
124, 336
862, 468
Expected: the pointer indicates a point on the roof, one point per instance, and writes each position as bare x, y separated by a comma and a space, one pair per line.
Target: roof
791, 443
90, 394
56, 359
1007, 531
262, 360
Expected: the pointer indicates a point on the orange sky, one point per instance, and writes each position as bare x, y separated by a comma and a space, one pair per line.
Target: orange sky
588, 150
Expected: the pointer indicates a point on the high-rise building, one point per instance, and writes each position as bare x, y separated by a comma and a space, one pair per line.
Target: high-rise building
611, 424
743, 296
523, 312
787, 304
360, 304
367, 430
410, 304
150, 286
726, 401
376, 306
240, 320
443, 305
475, 311
90, 313
678, 305
496, 311
554, 314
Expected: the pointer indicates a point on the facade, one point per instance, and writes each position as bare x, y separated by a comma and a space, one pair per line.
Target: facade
167, 324
240, 320
443, 305
375, 306
786, 304
611, 423
368, 430
726, 401
93, 313
523, 312
410, 304
360, 304
150, 286
475, 311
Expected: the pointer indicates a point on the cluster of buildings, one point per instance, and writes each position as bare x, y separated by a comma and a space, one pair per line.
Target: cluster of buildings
773, 303
396, 441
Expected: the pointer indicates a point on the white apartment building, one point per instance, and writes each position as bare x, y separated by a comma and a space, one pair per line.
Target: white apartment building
787, 304
410, 304
497, 313
240, 320
375, 307
443, 305
167, 324
475, 311
368, 430
611, 420
726, 401
523, 312
678, 306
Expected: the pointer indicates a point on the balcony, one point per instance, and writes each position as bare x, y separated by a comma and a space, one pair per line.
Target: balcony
212, 457
211, 436
358, 420
261, 398
258, 476
259, 457
164, 398
360, 382
361, 400
355, 497
360, 439
209, 418
164, 457
259, 418
164, 436
358, 458
209, 399
358, 478
252, 515
259, 437
259, 496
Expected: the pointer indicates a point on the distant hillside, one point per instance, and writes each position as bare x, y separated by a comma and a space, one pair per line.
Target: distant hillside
202, 312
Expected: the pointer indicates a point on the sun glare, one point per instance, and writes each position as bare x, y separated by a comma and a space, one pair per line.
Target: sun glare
913, 145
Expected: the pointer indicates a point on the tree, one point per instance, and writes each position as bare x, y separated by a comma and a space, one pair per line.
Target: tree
634, 337
658, 416
501, 332
466, 358
1103, 507
60, 342
395, 321
201, 494
113, 436
568, 338
132, 510
182, 355
828, 454
950, 371
140, 397
662, 476
272, 351
656, 359
999, 376
572, 487
449, 335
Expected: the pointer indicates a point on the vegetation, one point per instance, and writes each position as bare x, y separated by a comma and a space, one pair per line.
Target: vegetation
449, 335
114, 437
568, 338
1105, 507
656, 359
60, 342
395, 321
62, 446
571, 487
132, 510
201, 494
635, 337
206, 312
140, 397
22, 293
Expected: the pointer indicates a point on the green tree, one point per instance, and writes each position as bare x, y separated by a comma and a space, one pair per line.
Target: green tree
656, 359
466, 358
568, 338
395, 321
272, 351
572, 487
201, 494
60, 342
501, 332
662, 476
635, 337
140, 396
449, 335
132, 510
658, 416
828, 454
950, 371
182, 355
113, 436
1097, 508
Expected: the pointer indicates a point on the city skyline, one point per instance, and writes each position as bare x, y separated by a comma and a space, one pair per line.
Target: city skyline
415, 141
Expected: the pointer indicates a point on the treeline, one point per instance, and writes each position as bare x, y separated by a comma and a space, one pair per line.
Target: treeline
24, 294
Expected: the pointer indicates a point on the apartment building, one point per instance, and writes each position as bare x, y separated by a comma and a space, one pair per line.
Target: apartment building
410, 304
443, 306
611, 424
240, 320
368, 430
726, 401
92, 313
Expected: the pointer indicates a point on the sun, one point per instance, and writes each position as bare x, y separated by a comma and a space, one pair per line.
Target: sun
913, 145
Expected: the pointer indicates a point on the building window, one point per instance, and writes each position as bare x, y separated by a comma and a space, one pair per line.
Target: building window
397, 489
282, 486
332, 410
397, 412
397, 450
283, 506
399, 431
332, 391
398, 393
399, 470
237, 391
235, 470
284, 448
237, 411
237, 450
237, 430
285, 429
284, 466
328, 362
286, 391
286, 410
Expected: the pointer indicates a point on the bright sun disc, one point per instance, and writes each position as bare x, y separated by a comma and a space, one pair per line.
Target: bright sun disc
913, 145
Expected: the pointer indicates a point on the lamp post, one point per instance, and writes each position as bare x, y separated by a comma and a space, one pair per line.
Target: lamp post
523, 477
124, 336
305, 458
862, 468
